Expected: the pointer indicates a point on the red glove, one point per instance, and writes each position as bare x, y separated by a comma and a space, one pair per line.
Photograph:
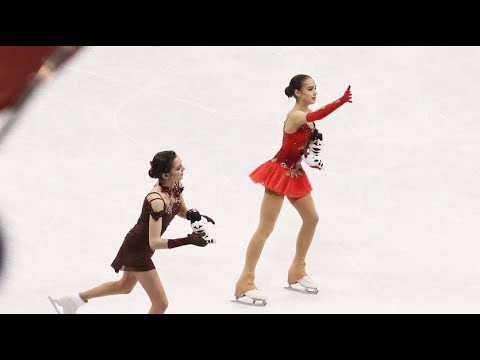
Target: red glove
328, 109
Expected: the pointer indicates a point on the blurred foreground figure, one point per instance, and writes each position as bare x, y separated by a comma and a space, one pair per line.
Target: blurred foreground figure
22, 69
1, 250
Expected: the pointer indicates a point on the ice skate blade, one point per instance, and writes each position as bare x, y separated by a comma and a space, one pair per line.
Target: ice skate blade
54, 304
310, 291
257, 303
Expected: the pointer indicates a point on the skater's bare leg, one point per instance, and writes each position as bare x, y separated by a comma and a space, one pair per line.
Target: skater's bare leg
306, 208
69, 304
123, 286
154, 289
269, 211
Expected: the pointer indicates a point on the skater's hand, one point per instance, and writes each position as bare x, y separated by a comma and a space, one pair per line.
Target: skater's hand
192, 239
197, 240
347, 96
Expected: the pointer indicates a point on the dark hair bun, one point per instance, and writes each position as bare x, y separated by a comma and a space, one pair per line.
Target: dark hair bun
288, 91
161, 163
152, 173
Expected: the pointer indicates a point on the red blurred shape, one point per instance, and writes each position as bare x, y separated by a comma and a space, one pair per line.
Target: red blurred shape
19, 66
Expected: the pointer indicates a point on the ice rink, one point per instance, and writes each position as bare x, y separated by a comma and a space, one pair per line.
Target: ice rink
398, 200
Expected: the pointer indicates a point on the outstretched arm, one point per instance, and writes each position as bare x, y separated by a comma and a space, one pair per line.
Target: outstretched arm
300, 118
329, 108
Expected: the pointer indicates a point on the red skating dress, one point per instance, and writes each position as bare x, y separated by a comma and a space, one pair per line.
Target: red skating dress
135, 254
284, 173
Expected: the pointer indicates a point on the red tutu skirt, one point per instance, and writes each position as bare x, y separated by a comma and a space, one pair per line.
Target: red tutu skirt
277, 176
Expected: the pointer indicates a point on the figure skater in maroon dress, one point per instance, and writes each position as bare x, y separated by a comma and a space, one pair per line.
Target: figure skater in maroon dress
283, 176
162, 203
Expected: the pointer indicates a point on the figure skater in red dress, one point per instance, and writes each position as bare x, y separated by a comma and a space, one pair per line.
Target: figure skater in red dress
283, 176
159, 207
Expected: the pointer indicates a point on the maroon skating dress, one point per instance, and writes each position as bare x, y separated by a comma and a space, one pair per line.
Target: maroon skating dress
284, 173
135, 254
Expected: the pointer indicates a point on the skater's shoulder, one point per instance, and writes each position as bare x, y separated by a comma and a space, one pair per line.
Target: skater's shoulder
157, 206
156, 200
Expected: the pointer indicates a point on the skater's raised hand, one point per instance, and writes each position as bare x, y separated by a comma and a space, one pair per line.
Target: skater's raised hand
347, 96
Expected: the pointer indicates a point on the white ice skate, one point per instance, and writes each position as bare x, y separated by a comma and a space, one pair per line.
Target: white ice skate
259, 299
309, 287
69, 303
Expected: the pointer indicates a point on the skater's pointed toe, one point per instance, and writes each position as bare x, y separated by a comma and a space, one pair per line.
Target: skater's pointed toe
69, 303
54, 304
